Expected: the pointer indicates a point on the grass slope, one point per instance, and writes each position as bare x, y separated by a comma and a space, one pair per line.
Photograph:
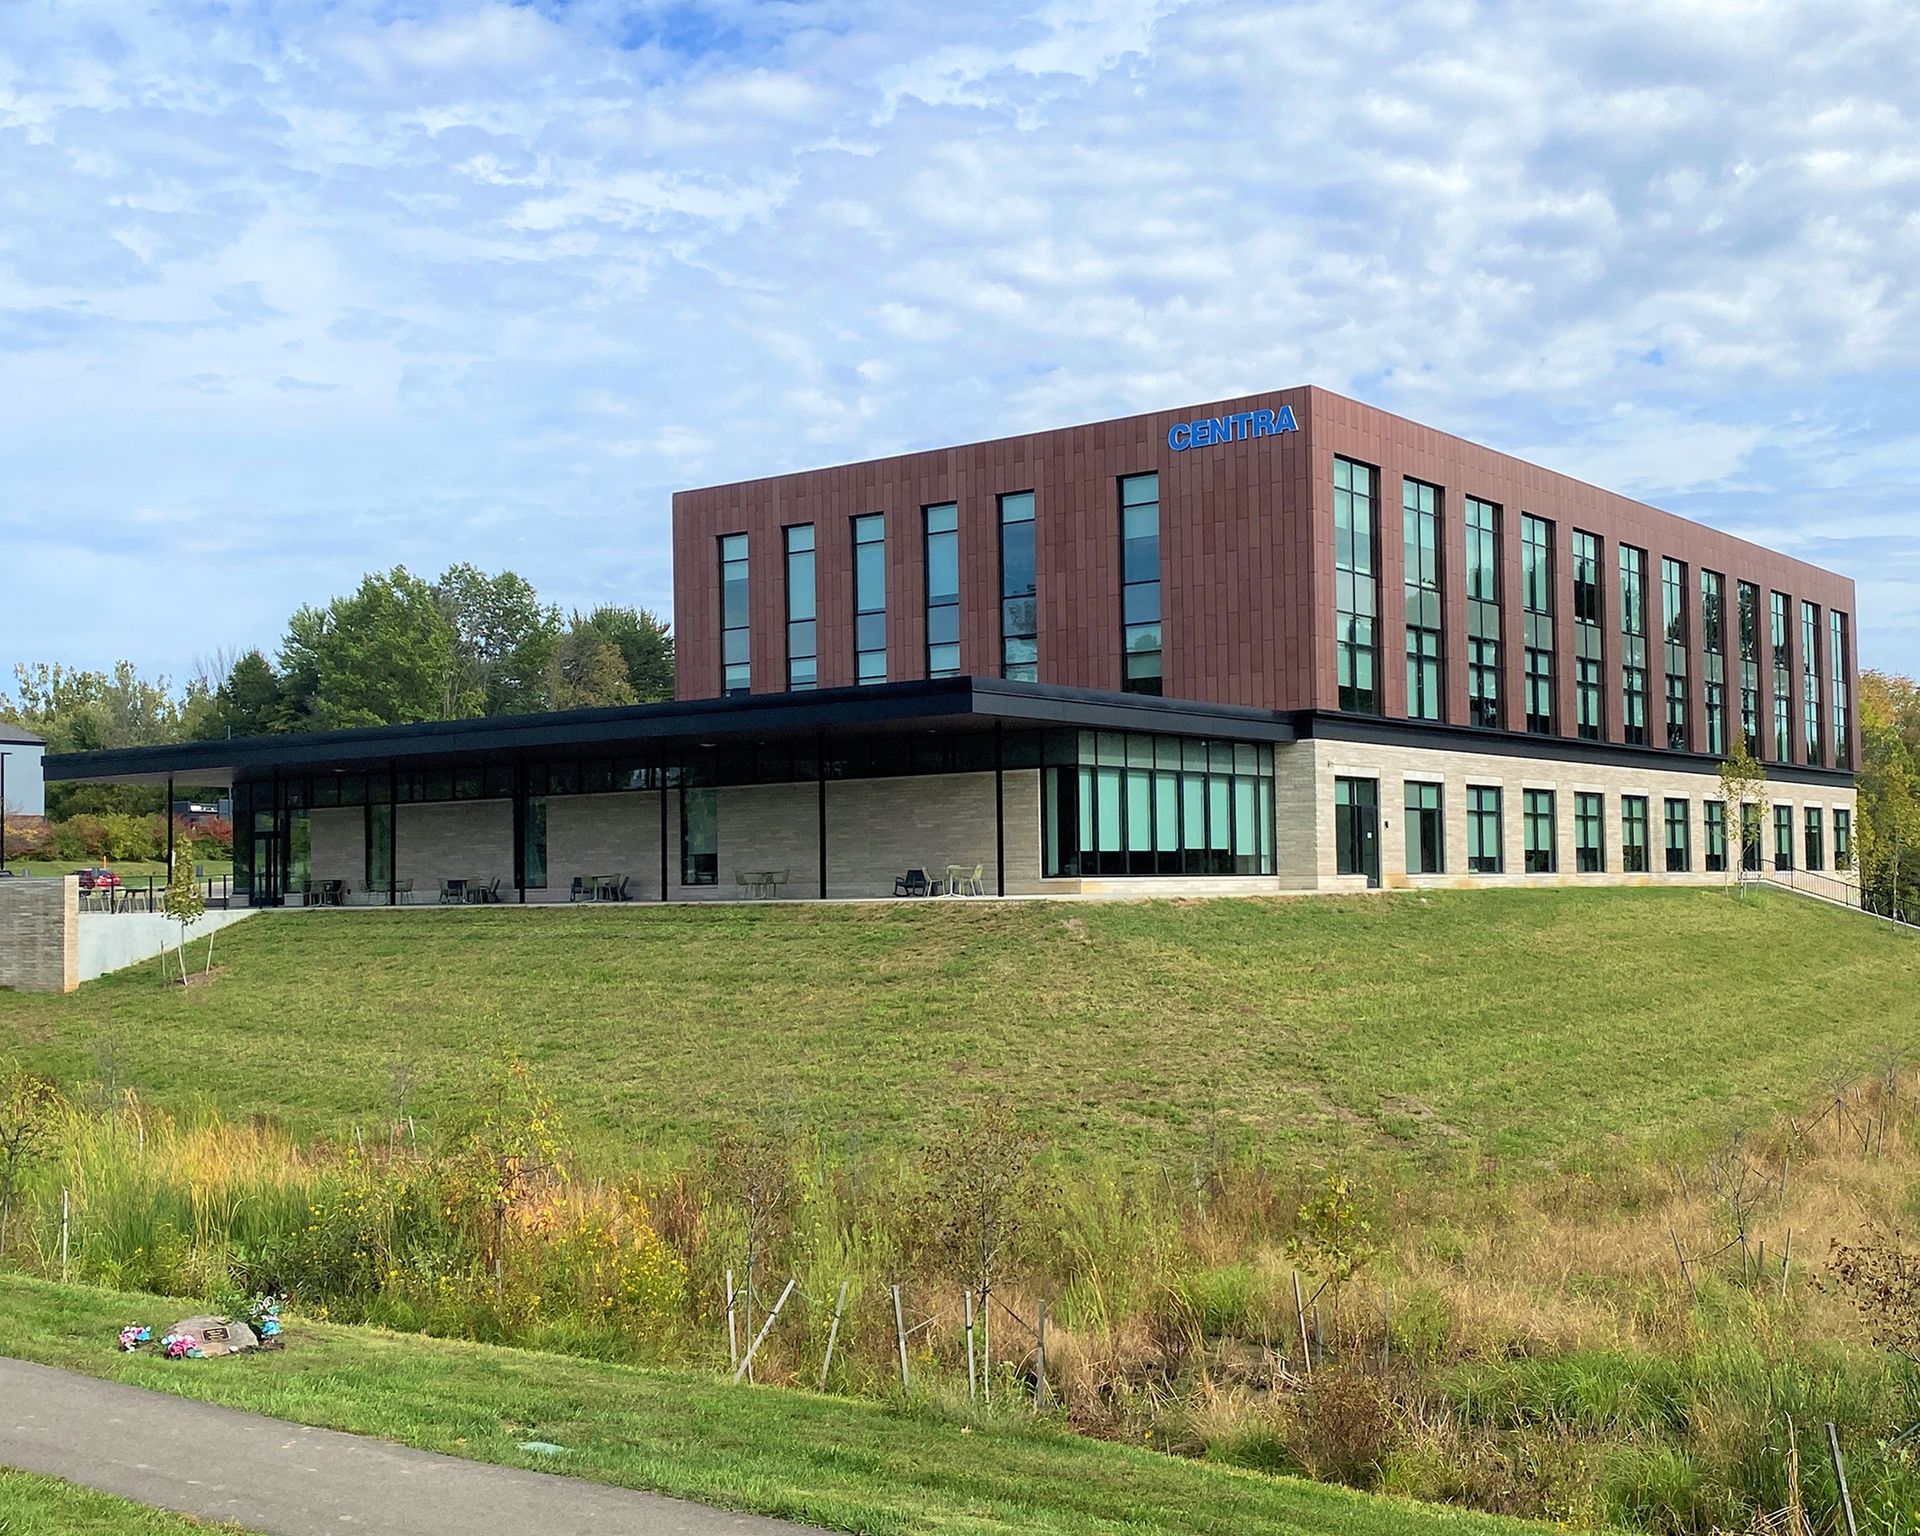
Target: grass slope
848, 1465
1521, 1024
45, 1506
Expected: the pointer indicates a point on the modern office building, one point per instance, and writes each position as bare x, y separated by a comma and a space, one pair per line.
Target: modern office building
1285, 642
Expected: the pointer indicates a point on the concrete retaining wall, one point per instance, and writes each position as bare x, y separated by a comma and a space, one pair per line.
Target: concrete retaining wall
112, 941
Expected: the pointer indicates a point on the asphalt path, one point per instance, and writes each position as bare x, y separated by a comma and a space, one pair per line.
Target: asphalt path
289, 1480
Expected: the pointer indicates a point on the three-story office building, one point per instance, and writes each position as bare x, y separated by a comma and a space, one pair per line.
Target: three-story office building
1285, 642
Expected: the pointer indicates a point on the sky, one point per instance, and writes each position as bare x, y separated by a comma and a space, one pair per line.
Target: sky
293, 291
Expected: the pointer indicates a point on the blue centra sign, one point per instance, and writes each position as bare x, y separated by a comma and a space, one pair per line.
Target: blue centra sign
1207, 430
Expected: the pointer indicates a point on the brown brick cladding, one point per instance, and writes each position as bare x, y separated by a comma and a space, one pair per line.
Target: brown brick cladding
1246, 562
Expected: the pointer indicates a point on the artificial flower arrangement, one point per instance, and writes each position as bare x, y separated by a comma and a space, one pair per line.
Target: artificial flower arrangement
181, 1346
133, 1336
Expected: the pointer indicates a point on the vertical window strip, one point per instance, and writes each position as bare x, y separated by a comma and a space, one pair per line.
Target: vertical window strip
1781, 637
1633, 834
1749, 605
1485, 854
1673, 609
943, 589
1019, 603
1633, 644
1536, 582
736, 670
1842, 699
1426, 670
1590, 832
1679, 837
870, 598
803, 628
1356, 585
1810, 678
1714, 818
1142, 655
1483, 613
1589, 651
1542, 853
1713, 659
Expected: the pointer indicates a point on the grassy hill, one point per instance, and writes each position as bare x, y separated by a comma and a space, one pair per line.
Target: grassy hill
1527, 1025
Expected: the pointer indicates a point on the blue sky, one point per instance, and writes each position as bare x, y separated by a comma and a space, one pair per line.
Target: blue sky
291, 291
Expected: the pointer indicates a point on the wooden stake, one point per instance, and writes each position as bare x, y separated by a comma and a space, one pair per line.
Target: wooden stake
1386, 1329
1300, 1316
760, 1337
833, 1333
973, 1389
733, 1339
986, 1348
1685, 1273
66, 1212
900, 1337
1786, 1265
1840, 1478
1040, 1357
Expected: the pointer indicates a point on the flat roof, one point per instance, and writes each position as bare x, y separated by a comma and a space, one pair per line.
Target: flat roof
949, 704
13, 735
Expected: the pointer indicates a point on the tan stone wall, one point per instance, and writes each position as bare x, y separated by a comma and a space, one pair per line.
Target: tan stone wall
40, 934
454, 839
612, 834
878, 829
1454, 771
337, 846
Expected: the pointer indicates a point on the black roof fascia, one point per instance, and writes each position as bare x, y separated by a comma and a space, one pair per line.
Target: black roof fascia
1330, 725
960, 703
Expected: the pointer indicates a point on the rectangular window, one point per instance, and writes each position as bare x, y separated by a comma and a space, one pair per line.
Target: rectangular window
1810, 679
943, 589
699, 836
1783, 837
1633, 644
1837, 653
736, 672
1633, 834
1750, 836
1420, 517
1536, 602
1589, 656
1673, 607
1714, 813
1485, 855
1356, 585
1537, 819
1483, 614
1781, 645
379, 844
1749, 604
1679, 838
1842, 838
1816, 840
1141, 657
803, 629
535, 865
1019, 604
870, 598
1356, 825
1589, 833
1713, 659
1426, 830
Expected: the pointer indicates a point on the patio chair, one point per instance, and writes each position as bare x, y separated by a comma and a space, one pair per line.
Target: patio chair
580, 890
777, 880
976, 883
620, 890
403, 891
912, 883
486, 892
453, 892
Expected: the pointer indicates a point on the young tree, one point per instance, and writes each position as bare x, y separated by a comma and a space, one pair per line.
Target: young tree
185, 904
1743, 790
756, 1168
28, 1105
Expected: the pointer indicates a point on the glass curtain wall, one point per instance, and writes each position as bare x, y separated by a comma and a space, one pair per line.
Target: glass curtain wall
1420, 516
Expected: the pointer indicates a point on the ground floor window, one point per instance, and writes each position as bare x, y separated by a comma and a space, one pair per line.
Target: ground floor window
1750, 838
1715, 814
1589, 833
1633, 834
1426, 830
1537, 814
379, 847
1679, 838
1356, 827
1783, 837
699, 837
1842, 838
1130, 804
1484, 855
534, 858
1816, 841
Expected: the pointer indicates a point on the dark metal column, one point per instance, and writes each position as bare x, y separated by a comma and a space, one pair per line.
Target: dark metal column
169, 826
820, 772
520, 827
1000, 806
393, 836
662, 775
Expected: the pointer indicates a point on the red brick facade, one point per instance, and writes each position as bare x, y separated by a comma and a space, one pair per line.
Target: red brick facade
1247, 554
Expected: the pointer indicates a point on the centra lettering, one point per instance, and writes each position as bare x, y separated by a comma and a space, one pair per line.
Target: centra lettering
1205, 431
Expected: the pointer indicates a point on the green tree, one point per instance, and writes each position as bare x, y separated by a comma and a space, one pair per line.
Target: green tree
586, 671
1743, 790
386, 655
82, 711
645, 643
504, 638
246, 703
185, 904
1887, 838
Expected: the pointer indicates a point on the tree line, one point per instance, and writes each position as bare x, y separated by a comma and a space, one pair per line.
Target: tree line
397, 650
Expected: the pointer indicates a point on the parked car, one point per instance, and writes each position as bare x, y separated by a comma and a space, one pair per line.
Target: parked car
98, 880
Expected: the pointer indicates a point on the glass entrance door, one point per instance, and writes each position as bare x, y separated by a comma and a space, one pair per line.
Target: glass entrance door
1356, 828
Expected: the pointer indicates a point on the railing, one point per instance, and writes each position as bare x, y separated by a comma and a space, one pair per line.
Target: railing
1839, 889
150, 895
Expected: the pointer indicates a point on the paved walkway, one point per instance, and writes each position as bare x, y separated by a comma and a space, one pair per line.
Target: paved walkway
288, 1480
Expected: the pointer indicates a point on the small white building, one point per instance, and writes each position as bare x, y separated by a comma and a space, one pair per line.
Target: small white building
21, 790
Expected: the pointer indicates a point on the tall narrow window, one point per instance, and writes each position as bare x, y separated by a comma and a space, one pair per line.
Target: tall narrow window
1679, 838
1633, 644
1536, 602
1484, 851
1783, 837
1837, 653
1713, 659
1356, 828
1356, 585
1590, 833
736, 670
1750, 835
803, 629
1543, 856
943, 590
1141, 655
699, 837
1780, 638
1589, 652
1816, 842
1426, 830
1483, 613
1019, 607
870, 598
1420, 513
535, 872
1842, 837
1633, 834
1673, 618
1810, 679
1714, 817
1749, 603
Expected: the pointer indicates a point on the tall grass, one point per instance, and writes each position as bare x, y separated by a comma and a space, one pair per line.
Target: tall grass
1527, 1349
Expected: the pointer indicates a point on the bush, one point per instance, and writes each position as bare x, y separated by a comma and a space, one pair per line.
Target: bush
1343, 1427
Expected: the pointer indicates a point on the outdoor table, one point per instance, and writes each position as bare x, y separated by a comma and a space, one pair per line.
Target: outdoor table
606, 887
957, 876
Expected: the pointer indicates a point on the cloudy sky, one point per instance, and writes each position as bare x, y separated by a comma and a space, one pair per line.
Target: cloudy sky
290, 291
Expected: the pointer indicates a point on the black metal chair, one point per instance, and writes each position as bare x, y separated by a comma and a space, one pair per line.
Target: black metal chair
912, 883
580, 890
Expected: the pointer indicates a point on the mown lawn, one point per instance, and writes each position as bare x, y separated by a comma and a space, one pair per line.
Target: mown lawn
1527, 1025
45, 1506
848, 1465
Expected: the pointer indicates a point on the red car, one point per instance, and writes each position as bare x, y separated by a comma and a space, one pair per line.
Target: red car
98, 880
